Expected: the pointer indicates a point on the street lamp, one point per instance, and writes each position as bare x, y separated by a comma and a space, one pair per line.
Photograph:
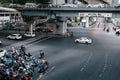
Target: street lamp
56, 3
12, 3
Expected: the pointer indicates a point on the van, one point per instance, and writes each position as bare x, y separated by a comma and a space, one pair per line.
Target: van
30, 5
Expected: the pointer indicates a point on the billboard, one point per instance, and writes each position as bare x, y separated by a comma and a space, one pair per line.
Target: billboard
95, 14
4, 18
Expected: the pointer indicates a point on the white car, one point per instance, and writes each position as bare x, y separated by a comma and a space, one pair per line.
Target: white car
2, 52
83, 40
15, 36
29, 34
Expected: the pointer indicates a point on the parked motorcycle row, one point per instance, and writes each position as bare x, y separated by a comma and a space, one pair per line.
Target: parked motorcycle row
16, 64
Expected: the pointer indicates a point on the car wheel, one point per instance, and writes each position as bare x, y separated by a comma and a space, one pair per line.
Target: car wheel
77, 41
86, 42
8, 38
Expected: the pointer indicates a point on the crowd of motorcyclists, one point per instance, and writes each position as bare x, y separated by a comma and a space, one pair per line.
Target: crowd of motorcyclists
115, 29
16, 64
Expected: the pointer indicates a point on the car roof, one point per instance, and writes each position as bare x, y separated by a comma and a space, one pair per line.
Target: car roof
29, 32
2, 50
15, 34
83, 38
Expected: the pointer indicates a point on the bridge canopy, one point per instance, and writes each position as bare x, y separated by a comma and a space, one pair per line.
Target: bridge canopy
7, 9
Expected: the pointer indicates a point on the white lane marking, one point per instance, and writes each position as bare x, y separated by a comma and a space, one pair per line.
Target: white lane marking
105, 65
22, 42
88, 60
82, 69
42, 75
37, 42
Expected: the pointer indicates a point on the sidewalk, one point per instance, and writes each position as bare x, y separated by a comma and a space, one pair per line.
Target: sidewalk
43, 36
12, 31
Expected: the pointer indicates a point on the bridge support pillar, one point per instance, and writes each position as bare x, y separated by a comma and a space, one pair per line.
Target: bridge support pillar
61, 28
87, 22
31, 28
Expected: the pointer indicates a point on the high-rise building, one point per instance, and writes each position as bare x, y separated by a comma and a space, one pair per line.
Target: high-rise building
115, 2
57, 2
109, 1
69, 1
72, 1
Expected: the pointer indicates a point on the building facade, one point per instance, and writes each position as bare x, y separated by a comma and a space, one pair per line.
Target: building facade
57, 2
71, 1
115, 2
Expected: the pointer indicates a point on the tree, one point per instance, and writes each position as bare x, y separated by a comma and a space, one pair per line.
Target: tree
24, 1
43, 1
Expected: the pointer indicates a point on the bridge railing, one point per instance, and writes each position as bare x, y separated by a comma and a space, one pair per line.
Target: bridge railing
46, 6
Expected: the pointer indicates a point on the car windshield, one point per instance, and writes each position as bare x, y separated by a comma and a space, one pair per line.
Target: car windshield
29, 33
83, 38
1, 50
13, 35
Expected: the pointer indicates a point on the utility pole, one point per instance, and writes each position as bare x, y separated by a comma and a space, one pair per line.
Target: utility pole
12, 3
56, 3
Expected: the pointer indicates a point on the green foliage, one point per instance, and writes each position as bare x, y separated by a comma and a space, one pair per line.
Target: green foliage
5, 1
24, 1
43, 1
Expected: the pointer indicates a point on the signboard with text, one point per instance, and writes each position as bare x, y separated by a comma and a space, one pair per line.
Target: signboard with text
95, 14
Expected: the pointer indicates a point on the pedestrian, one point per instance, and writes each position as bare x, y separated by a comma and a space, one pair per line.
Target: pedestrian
104, 28
23, 49
108, 30
40, 67
19, 29
34, 61
29, 55
13, 50
42, 54
17, 53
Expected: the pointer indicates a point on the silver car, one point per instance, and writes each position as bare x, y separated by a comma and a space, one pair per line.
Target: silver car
83, 40
15, 36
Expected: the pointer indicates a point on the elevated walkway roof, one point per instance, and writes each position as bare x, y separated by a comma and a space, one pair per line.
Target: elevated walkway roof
7, 9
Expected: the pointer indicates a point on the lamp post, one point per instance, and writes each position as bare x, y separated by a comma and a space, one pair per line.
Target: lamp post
82, 3
12, 3
56, 3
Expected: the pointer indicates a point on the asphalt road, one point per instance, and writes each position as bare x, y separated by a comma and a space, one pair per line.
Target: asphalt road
71, 61
7, 42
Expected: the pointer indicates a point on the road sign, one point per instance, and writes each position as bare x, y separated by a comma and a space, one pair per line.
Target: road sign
95, 14
108, 15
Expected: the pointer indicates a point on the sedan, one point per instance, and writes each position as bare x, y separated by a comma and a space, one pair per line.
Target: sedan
2, 52
29, 34
83, 40
15, 36
47, 30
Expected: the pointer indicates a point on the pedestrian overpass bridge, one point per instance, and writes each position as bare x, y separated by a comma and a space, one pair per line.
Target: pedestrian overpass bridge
68, 11
60, 27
